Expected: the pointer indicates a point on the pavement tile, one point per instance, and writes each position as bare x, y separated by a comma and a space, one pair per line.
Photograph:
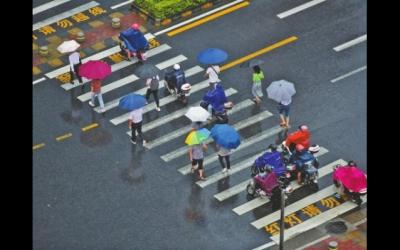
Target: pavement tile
116, 14
55, 62
36, 70
74, 31
110, 42
96, 23
98, 46
54, 39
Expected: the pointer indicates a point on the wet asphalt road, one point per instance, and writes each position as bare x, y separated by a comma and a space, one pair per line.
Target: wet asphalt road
95, 190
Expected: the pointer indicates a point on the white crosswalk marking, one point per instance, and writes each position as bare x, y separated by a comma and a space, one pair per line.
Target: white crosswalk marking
179, 113
122, 82
121, 4
121, 65
64, 15
317, 220
114, 103
246, 143
163, 101
181, 131
47, 6
259, 201
270, 218
249, 121
100, 56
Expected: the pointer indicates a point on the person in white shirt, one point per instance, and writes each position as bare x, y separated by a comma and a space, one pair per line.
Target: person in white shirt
212, 74
135, 124
74, 63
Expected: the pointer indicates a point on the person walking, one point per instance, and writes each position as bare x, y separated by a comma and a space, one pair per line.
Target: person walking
212, 74
196, 156
75, 62
135, 124
284, 108
256, 89
95, 88
223, 154
153, 84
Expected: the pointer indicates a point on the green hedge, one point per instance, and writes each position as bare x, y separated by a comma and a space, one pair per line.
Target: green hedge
166, 8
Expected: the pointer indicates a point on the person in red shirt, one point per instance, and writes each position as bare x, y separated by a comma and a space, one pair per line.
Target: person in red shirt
95, 87
301, 136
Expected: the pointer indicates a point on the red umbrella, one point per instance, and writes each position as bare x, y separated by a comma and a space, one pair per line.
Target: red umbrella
95, 70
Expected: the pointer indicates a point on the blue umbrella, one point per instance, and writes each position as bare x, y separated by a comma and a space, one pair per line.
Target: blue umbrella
212, 56
225, 135
132, 102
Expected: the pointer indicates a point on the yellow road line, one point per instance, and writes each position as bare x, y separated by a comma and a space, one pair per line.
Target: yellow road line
90, 127
38, 146
206, 19
259, 52
63, 137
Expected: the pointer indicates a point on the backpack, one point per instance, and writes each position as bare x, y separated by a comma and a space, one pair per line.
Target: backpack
154, 84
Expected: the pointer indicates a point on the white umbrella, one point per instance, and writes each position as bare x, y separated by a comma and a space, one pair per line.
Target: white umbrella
68, 46
281, 90
197, 114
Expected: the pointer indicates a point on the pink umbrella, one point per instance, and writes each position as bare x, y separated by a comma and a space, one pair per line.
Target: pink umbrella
95, 70
351, 177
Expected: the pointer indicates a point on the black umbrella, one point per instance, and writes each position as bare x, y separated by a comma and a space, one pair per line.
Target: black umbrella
251, 63
147, 70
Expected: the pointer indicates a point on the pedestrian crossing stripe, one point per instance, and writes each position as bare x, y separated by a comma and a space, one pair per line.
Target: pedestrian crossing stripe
246, 143
121, 65
163, 101
173, 134
317, 220
114, 103
239, 125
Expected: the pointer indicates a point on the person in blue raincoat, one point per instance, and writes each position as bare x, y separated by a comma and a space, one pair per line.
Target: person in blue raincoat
215, 98
273, 159
134, 40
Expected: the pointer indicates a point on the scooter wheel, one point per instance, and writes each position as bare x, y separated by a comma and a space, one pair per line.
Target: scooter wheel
250, 190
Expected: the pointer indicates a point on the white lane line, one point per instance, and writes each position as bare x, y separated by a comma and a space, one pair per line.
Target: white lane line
239, 125
98, 56
121, 4
178, 132
120, 65
299, 8
250, 205
265, 246
163, 101
47, 6
107, 88
317, 220
351, 43
197, 17
349, 74
232, 191
270, 218
64, 15
38, 80
246, 143
114, 103
313, 242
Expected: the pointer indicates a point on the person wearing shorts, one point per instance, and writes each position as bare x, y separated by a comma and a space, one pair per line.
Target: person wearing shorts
196, 156
256, 90
283, 109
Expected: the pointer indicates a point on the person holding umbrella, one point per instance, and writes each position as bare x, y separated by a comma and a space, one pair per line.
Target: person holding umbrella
195, 140
134, 103
226, 138
282, 91
212, 57
74, 58
95, 88
256, 89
